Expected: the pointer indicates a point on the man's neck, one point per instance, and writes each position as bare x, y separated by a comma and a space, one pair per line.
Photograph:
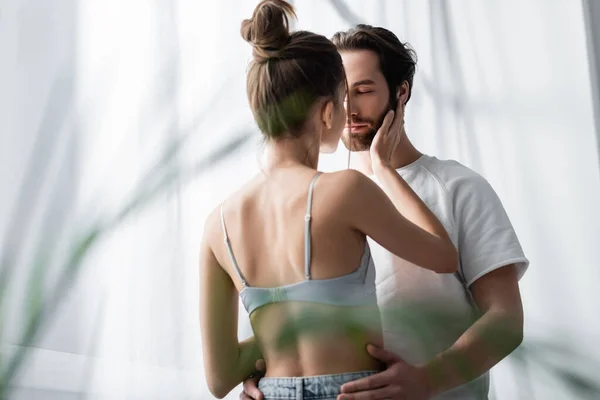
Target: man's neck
405, 154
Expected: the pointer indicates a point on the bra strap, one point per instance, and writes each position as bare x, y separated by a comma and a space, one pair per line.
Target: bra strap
230, 250
307, 217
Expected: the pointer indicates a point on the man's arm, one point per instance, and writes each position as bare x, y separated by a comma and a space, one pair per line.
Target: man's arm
492, 337
497, 332
492, 261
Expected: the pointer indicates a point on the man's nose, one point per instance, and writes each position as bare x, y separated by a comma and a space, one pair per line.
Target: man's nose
351, 109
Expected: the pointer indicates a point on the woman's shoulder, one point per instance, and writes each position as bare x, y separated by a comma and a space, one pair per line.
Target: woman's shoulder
348, 180
227, 209
345, 191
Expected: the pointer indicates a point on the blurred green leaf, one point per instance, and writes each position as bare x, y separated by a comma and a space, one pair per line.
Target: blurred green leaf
565, 365
40, 306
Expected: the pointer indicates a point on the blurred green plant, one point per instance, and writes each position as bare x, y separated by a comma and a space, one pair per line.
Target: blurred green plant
565, 366
574, 373
42, 302
559, 362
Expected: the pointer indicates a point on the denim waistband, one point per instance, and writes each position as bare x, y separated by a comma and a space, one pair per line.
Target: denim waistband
321, 387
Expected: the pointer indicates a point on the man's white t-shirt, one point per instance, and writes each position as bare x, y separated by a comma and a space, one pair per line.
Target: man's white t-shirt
479, 227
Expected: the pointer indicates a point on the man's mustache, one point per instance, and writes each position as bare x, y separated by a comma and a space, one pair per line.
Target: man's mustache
358, 120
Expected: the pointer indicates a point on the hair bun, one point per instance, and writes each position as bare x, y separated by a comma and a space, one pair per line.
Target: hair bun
268, 29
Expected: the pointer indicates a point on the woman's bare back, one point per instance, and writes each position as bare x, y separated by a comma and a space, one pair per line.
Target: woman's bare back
265, 223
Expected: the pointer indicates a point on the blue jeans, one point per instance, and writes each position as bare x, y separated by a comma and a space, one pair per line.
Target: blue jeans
322, 387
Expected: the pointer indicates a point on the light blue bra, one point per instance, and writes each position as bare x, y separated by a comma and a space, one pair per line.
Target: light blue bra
354, 289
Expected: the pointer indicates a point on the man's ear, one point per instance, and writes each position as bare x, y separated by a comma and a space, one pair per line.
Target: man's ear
402, 92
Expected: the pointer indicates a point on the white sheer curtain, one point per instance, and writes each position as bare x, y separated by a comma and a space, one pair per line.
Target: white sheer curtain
95, 92
94, 95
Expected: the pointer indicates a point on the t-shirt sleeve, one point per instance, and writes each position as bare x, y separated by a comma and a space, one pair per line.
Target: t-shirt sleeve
486, 237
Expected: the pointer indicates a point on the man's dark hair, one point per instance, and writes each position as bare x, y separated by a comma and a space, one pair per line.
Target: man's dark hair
396, 59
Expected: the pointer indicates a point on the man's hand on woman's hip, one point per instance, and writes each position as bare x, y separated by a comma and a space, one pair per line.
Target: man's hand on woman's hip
251, 391
400, 381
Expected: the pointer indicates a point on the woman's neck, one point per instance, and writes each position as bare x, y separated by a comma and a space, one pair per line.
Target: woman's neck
290, 152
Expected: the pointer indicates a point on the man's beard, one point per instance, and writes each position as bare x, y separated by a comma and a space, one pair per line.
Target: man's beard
362, 141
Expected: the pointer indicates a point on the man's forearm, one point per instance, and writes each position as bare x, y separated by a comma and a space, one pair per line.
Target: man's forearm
491, 338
